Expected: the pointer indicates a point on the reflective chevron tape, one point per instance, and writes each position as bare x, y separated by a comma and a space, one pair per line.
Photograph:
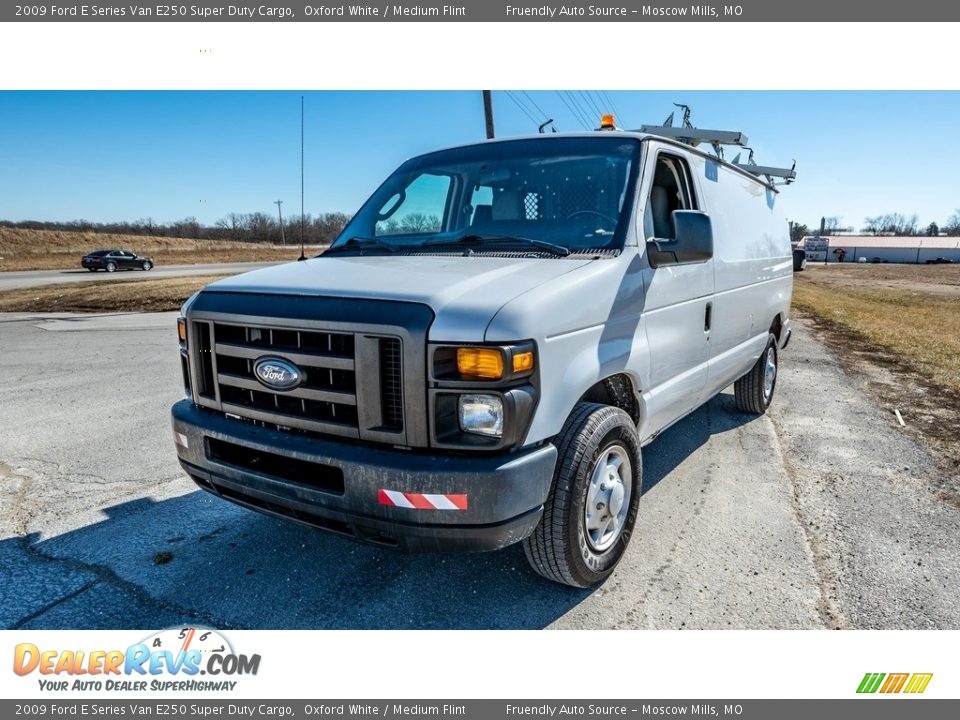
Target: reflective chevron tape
422, 501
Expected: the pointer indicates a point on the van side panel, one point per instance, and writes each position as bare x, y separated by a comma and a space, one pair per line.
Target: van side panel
679, 348
753, 270
588, 325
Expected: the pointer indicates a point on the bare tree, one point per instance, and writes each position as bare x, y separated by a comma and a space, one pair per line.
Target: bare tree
233, 224
952, 227
892, 224
831, 225
251, 227
419, 222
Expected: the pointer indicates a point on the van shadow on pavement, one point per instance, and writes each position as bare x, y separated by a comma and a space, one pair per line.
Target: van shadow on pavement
198, 559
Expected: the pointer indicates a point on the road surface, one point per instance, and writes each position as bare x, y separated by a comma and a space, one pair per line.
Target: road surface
821, 514
40, 278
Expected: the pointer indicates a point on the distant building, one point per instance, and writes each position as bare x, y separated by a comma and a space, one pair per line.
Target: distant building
881, 248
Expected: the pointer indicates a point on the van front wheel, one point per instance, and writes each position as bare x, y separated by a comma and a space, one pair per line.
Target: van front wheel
754, 391
589, 515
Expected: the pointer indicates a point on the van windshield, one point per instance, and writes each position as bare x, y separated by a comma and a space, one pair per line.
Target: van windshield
564, 194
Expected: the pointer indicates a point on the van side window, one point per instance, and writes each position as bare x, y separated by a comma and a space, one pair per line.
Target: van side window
671, 190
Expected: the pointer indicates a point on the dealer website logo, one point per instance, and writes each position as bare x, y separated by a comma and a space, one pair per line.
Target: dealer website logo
171, 660
913, 683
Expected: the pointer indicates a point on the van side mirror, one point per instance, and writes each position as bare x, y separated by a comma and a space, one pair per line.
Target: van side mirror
692, 243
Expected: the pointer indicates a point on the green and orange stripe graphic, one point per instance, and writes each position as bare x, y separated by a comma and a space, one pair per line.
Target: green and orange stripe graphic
894, 682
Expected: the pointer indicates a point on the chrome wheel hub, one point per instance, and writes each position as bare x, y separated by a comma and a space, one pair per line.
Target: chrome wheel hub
769, 373
608, 498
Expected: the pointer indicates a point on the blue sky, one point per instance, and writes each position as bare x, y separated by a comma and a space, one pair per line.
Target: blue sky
108, 156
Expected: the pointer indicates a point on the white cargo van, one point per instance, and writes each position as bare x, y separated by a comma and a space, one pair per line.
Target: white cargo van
481, 355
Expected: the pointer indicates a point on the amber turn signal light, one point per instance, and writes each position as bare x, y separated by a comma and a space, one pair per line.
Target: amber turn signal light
483, 363
523, 362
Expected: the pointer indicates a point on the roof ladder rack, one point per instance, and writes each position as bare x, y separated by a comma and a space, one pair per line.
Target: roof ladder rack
788, 175
694, 137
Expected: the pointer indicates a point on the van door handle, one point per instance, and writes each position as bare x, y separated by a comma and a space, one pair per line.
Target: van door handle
707, 317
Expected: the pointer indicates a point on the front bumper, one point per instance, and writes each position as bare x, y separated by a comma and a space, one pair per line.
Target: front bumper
505, 493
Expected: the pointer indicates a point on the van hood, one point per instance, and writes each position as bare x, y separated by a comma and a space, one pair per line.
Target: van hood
464, 292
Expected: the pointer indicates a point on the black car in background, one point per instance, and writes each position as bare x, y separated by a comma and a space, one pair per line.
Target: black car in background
111, 260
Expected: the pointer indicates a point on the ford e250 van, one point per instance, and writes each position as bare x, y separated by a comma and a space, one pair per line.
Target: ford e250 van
480, 356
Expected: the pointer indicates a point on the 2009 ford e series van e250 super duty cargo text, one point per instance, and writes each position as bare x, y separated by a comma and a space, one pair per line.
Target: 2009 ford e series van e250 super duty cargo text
479, 357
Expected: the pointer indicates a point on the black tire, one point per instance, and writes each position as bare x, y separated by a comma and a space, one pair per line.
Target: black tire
751, 391
146, 265
560, 548
111, 267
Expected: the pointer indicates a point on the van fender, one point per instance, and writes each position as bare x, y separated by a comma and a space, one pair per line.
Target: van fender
575, 363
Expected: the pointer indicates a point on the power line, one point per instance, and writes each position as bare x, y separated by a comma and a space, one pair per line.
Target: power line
600, 101
522, 108
569, 108
584, 112
534, 103
531, 113
573, 111
613, 105
605, 101
590, 103
596, 101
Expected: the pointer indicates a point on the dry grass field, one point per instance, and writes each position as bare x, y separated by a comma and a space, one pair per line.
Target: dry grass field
59, 250
105, 296
896, 328
912, 311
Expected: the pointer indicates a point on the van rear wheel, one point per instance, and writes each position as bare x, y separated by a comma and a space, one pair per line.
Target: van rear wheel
589, 515
754, 391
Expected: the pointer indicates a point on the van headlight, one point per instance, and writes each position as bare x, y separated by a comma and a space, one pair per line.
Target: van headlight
481, 414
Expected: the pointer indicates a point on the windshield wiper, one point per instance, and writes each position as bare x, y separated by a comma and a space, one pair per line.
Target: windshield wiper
480, 239
357, 243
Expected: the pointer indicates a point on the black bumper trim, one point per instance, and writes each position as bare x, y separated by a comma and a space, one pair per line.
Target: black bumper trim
406, 537
506, 492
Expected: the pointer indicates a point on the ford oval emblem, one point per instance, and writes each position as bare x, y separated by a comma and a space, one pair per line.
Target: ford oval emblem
277, 374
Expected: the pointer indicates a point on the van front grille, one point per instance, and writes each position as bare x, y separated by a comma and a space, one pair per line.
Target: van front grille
361, 364
324, 402
391, 383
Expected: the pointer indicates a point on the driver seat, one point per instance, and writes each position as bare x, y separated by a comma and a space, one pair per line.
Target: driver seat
657, 221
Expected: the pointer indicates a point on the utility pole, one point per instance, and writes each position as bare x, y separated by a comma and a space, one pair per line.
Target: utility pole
278, 203
302, 256
488, 112
823, 229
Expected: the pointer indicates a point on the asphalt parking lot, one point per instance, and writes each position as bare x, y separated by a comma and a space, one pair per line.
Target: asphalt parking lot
821, 514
